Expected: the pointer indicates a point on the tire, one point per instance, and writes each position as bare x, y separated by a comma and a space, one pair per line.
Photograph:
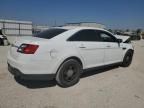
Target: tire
69, 73
127, 59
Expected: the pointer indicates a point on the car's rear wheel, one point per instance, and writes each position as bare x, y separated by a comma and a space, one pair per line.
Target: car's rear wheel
127, 59
69, 73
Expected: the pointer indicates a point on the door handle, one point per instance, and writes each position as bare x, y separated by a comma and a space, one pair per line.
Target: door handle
82, 47
108, 46
123, 48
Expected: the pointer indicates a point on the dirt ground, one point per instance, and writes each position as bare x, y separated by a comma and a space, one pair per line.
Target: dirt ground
115, 87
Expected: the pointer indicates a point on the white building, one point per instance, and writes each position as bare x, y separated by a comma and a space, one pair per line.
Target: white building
39, 28
16, 28
87, 24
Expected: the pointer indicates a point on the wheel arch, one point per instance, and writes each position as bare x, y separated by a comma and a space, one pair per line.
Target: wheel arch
130, 50
75, 58
72, 57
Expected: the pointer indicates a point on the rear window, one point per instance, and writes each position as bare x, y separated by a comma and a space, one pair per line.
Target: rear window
48, 34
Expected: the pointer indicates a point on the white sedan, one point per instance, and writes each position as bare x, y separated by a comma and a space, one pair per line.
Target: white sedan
63, 53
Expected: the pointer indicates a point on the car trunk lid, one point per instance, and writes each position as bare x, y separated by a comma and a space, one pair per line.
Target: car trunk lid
23, 40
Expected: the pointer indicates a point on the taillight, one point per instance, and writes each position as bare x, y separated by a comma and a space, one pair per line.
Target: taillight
27, 48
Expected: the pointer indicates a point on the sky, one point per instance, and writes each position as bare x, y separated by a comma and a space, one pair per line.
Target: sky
115, 14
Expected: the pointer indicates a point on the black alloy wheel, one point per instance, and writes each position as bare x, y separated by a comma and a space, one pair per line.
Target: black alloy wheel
69, 73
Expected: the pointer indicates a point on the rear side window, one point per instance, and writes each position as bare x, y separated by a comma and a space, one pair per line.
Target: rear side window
85, 35
48, 34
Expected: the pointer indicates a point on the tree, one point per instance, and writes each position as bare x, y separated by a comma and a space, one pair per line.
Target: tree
127, 30
138, 32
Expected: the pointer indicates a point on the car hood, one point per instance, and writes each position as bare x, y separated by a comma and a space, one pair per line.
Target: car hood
124, 38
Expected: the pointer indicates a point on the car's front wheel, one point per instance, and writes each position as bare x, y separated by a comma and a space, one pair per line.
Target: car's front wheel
69, 73
127, 59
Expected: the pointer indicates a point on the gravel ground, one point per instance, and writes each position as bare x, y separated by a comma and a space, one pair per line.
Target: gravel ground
115, 87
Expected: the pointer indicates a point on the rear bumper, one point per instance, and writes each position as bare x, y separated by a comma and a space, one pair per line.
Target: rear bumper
16, 72
26, 65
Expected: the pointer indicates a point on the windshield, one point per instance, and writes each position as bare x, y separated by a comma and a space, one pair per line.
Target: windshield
48, 34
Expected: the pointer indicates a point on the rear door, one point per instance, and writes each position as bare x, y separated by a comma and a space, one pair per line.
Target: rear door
113, 51
90, 47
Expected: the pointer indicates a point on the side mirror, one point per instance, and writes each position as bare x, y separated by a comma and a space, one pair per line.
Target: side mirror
119, 40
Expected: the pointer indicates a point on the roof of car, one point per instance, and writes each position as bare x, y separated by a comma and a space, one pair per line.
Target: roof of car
78, 27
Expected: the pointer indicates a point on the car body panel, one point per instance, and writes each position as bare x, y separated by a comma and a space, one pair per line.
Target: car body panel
53, 52
91, 52
113, 53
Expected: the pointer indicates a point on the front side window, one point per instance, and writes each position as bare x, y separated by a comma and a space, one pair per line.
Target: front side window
85, 35
50, 33
106, 37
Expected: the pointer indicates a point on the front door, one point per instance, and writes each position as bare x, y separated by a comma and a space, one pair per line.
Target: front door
113, 51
